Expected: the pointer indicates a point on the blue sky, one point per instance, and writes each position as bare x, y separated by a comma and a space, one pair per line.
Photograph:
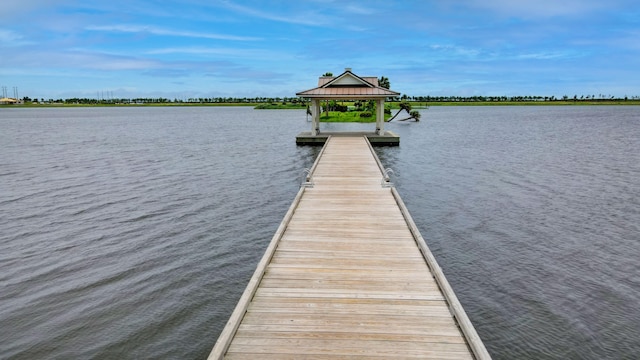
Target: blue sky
197, 48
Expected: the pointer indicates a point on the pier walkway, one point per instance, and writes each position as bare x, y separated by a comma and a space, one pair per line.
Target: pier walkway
348, 275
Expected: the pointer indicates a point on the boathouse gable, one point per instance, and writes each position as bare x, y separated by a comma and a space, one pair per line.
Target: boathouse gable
348, 86
348, 79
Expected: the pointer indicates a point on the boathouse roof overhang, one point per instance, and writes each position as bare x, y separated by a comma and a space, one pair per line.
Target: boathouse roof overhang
348, 86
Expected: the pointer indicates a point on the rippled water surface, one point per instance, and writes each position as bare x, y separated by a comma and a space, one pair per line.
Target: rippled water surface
131, 232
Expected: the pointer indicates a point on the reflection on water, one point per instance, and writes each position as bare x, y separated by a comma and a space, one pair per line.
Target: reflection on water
132, 232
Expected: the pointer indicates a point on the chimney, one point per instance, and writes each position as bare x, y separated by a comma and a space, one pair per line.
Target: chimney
347, 69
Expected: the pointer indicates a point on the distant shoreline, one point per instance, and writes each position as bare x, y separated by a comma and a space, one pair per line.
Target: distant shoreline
394, 104
534, 103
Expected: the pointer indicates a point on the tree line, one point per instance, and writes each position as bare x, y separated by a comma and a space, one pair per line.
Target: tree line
303, 102
162, 100
526, 98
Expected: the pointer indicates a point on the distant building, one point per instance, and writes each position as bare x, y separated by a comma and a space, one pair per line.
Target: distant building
8, 101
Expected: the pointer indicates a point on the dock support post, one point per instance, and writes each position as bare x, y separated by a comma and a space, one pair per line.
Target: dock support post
315, 117
380, 117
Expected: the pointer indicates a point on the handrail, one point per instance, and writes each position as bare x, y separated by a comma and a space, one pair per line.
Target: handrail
315, 163
386, 180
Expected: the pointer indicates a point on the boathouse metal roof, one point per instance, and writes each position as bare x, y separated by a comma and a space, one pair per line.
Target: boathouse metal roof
348, 86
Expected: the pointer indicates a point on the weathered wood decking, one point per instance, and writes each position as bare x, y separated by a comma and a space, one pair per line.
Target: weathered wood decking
347, 275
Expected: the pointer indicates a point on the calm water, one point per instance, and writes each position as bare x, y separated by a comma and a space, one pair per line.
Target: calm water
131, 232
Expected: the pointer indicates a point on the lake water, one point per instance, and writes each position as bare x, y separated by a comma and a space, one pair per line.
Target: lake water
131, 233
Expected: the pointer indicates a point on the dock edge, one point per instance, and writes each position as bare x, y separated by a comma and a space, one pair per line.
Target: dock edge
455, 307
474, 341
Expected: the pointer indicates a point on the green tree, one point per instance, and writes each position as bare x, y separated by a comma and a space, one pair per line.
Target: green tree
403, 106
384, 82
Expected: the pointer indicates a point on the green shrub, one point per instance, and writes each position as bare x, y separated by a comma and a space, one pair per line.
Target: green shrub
340, 108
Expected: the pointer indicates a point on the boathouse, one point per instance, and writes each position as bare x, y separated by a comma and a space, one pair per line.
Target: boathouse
347, 86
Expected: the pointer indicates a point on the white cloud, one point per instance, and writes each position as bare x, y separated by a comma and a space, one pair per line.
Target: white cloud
539, 8
11, 9
127, 28
225, 52
359, 10
76, 59
456, 50
308, 18
542, 56
9, 38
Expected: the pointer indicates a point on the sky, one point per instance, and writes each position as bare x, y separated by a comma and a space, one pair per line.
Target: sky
207, 48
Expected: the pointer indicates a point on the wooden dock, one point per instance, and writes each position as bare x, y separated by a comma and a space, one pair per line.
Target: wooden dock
348, 275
